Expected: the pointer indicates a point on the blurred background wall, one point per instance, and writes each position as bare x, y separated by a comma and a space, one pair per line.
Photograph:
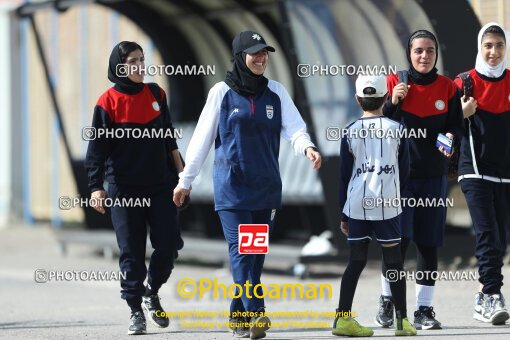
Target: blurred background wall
77, 37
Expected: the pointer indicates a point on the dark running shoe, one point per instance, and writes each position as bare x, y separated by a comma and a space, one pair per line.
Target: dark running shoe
384, 317
155, 311
424, 318
137, 325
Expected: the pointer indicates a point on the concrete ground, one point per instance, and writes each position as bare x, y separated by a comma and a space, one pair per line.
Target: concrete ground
93, 309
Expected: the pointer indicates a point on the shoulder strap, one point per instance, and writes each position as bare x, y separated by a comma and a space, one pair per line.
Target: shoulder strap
156, 92
467, 83
402, 76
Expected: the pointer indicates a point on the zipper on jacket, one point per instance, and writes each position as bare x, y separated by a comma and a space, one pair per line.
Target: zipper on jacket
252, 105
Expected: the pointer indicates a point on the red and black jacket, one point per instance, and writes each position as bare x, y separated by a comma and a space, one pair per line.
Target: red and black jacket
434, 107
131, 162
489, 126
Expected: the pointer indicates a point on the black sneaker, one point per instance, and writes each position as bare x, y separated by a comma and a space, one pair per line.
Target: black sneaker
260, 325
494, 310
137, 325
155, 311
384, 317
239, 327
479, 303
424, 318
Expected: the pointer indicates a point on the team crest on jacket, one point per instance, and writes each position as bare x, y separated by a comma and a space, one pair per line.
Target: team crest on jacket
439, 104
155, 106
269, 111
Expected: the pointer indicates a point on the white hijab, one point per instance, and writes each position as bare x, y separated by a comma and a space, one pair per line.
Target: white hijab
481, 65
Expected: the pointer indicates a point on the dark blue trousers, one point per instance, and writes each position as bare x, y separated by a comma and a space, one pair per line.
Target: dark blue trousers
425, 225
489, 206
130, 224
244, 266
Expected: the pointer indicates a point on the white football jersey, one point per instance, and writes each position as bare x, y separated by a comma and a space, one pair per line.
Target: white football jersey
373, 191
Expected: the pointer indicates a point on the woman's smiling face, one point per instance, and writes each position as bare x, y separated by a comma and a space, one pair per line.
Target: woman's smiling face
257, 62
136, 63
423, 54
493, 48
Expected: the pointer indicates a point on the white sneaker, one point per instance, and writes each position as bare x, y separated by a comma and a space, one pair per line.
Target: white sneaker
494, 310
479, 302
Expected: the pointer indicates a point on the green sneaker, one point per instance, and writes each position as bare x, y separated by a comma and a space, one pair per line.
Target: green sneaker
350, 327
404, 328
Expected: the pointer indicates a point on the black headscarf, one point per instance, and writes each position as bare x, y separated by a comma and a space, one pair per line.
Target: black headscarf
117, 57
415, 76
242, 80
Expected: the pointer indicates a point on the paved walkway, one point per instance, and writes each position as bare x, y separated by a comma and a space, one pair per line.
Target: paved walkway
92, 309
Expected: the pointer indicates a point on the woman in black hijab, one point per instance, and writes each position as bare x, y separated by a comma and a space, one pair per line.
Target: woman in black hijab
136, 169
124, 57
431, 102
244, 117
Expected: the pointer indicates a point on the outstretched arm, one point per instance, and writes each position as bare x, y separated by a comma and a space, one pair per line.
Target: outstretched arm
203, 137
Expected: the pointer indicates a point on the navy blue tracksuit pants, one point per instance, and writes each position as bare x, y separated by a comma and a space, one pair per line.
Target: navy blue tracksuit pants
425, 225
489, 206
245, 266
130, 224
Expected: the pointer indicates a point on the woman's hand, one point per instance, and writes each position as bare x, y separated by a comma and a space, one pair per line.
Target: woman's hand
315, 157
469, 106
450, 136
97, 199
399, 93
179, 195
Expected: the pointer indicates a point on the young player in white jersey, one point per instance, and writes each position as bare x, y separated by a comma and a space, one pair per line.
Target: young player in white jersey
373, 169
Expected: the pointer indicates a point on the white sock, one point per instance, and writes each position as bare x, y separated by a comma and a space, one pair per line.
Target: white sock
424, 295
385, 286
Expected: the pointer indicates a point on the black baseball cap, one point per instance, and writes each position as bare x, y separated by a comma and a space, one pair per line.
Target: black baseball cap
249, 42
